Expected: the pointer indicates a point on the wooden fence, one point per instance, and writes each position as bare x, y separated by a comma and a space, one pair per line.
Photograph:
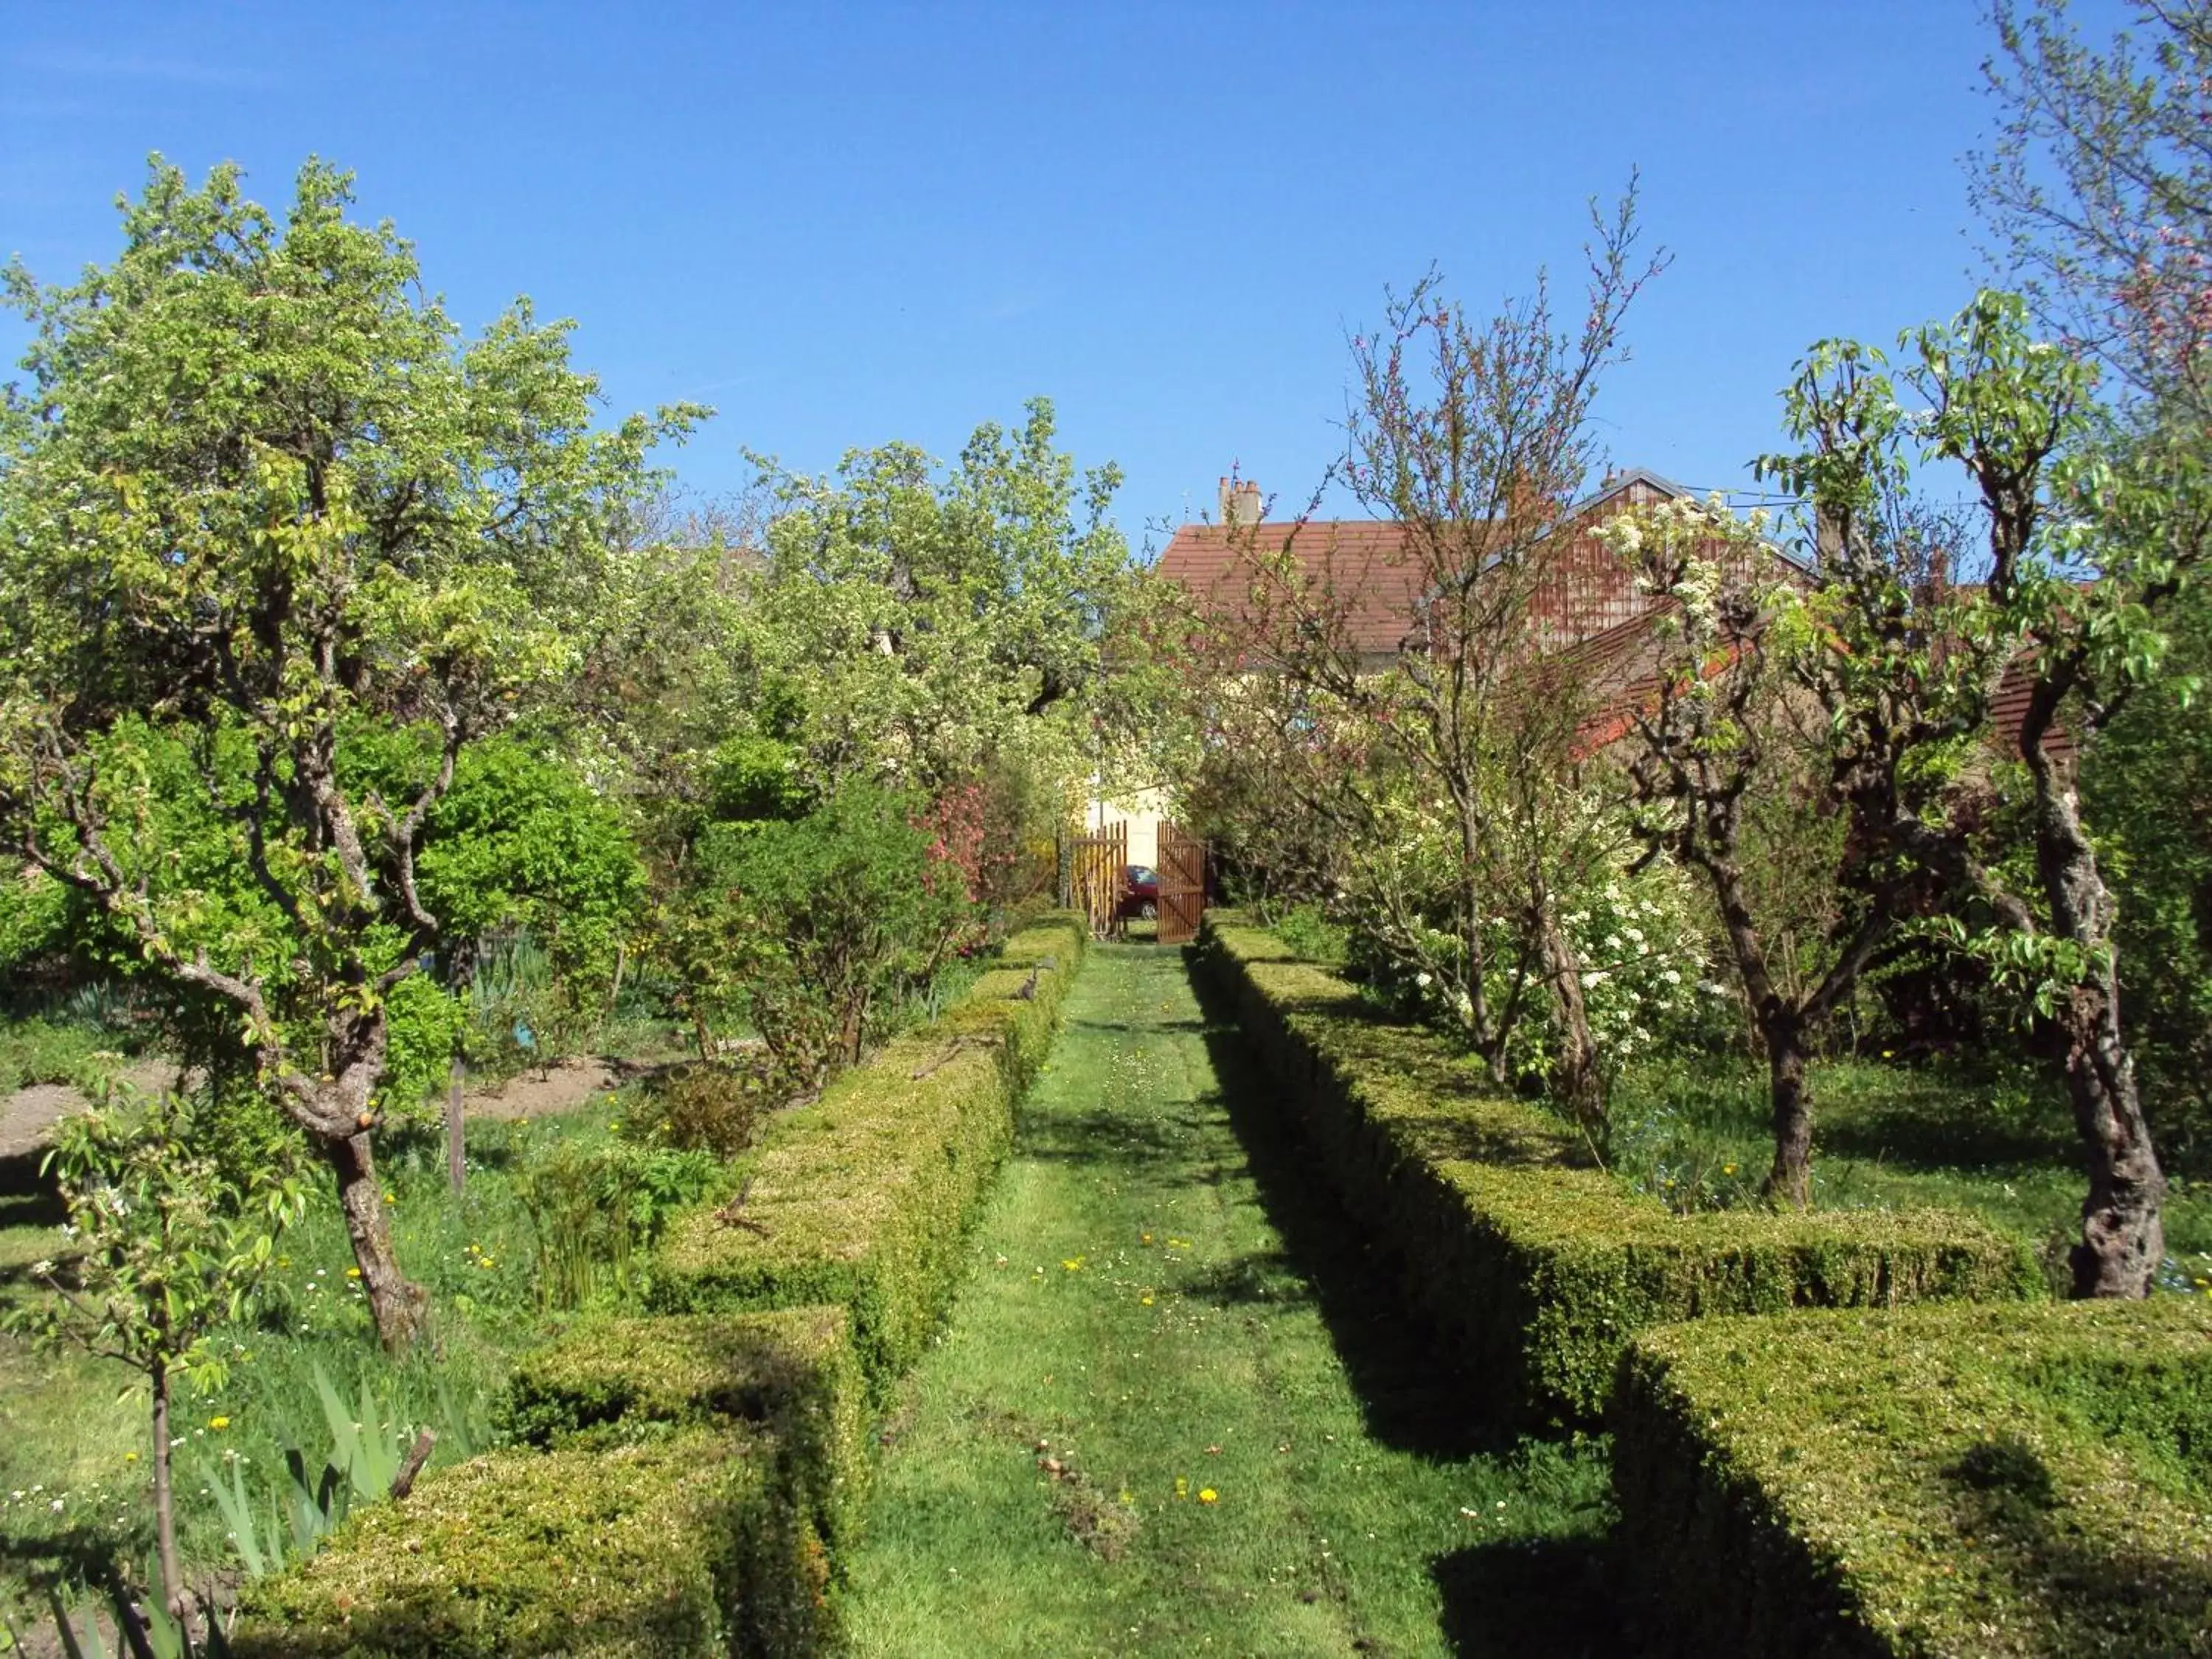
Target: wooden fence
1098, 861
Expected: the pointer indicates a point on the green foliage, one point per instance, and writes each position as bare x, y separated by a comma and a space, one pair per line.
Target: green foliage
1536, 1266
425, 1024
1954, 1481
704, 1107
172, 1238
596, 1205
863, 1198
277, 548
1311, 936
2146, 789
35, 916
632, 1550
928, 628
520, 841
822, 923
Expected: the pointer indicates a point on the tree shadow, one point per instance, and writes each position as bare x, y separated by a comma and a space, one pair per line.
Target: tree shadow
1099, 1137
2099, 1592
1148, 1027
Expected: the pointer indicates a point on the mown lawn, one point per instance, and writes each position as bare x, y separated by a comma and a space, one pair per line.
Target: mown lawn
1173, 1412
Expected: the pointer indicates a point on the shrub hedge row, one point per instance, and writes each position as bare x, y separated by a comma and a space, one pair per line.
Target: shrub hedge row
863, 1198
684, 1483
1536, 1266
1953, 1481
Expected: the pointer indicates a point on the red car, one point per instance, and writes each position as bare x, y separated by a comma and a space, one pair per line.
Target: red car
1140, 891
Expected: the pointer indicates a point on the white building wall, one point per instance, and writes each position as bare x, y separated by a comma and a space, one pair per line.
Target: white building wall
1144, 811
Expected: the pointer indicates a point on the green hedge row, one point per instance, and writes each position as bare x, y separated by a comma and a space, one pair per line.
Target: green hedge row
1953, 1481
863, 1199
1536, 1266
685, 1482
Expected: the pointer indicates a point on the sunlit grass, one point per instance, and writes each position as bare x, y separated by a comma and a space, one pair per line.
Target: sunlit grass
1992, 1138
1141, 1433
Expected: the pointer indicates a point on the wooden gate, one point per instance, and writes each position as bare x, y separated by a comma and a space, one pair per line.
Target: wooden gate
1182, 885
1098, 861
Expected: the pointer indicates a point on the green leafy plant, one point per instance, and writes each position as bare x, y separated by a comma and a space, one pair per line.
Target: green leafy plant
172, 1242
280, 549
822, 923
595, 1206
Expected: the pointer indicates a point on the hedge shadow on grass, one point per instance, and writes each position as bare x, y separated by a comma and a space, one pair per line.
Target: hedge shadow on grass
1544, 1599
1411, 1397
1547, 1598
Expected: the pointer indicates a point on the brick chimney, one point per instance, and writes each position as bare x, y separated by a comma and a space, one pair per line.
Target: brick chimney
1240, 501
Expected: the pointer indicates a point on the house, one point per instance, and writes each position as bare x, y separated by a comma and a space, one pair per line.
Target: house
1587, 601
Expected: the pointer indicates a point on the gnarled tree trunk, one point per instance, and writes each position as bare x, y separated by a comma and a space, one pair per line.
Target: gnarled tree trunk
2123, 1234
338, 1114
1576, 1080
397, 1305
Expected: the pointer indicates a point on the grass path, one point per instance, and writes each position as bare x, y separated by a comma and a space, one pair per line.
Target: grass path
1172, 1413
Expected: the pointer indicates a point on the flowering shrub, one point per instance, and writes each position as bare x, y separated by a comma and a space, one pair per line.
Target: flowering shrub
1644, 975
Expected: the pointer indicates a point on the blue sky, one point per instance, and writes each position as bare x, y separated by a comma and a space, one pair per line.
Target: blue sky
845, 224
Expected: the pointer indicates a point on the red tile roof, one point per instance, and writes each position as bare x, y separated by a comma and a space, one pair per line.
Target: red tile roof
1361, 565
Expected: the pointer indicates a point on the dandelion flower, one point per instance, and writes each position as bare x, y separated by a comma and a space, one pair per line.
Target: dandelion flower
1207, 1495
218, 1424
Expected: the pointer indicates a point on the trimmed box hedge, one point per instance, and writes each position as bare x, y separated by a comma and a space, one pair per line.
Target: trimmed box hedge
1536, 1266
653, 1549
792, 1372
688, 1481
682, 1488
1954, 1481
863, 1198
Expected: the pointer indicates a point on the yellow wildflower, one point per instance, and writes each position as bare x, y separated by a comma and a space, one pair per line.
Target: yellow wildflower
218, 1424
1207, 1495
